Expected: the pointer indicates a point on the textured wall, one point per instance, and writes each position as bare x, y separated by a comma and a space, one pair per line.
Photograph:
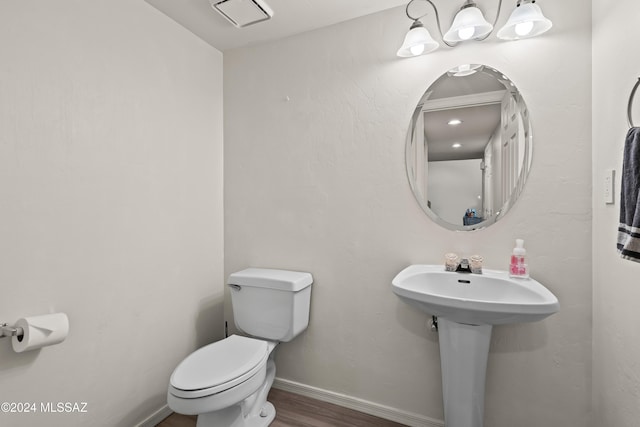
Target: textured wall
314, 180
111, 189
616, 337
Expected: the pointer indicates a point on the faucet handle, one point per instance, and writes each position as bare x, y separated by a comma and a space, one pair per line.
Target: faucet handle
451, 261
475, 264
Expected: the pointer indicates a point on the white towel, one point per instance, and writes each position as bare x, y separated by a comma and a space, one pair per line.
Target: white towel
629, 229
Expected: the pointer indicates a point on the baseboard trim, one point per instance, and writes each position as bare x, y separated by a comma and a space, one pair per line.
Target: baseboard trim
371, 408
403, 417
154, 419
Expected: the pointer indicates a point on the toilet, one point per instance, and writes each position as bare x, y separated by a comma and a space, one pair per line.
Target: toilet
226, 383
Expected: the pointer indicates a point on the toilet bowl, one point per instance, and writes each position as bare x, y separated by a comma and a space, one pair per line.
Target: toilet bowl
226, 383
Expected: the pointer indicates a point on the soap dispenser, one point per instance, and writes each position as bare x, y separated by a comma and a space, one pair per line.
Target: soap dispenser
518, 266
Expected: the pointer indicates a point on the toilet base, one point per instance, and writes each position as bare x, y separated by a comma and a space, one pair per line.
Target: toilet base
264, 419
232, 417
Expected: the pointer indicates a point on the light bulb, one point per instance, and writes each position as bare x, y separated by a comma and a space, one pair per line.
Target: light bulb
466, 33
417, 49
524, 28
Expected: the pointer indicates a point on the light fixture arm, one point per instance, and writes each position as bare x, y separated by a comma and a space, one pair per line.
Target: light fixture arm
467, 4
437, 19
469, 23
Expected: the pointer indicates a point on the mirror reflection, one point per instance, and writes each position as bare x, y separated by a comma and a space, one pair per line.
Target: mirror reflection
469, 147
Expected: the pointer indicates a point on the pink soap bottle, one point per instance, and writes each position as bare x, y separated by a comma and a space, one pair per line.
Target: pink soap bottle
518, 266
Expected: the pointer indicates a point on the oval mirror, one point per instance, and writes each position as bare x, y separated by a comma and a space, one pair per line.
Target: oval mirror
469, 147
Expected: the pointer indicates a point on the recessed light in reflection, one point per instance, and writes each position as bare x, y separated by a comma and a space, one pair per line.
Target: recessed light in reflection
457, 145
454, 122
465, 70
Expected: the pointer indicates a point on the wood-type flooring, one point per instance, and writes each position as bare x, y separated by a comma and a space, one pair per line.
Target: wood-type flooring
293, 410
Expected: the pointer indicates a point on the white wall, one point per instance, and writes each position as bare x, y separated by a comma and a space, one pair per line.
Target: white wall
616, 336
314, 180
111, 189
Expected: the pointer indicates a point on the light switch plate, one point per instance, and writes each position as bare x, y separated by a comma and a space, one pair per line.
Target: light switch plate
609, 180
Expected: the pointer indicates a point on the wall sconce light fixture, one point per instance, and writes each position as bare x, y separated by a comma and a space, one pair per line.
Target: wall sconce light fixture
525, 21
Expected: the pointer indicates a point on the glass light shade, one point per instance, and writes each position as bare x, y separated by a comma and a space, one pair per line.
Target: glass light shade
418, 41
469, 23
525, 21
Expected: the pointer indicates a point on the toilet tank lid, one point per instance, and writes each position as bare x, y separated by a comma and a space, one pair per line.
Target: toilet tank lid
283, 280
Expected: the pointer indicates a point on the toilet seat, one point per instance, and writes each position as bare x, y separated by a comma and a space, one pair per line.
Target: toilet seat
218, 367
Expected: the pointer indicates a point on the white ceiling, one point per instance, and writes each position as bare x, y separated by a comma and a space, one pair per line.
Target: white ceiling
290, 17
474, 99
478, 125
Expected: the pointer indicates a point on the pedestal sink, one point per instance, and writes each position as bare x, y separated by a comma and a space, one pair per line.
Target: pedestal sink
467, 306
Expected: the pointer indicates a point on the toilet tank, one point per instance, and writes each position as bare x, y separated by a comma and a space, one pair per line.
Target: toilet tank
271, 304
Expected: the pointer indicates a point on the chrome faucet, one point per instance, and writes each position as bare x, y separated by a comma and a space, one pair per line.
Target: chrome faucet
464, 266
472, 264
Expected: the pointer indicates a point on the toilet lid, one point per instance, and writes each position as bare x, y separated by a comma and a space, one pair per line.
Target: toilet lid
219, 366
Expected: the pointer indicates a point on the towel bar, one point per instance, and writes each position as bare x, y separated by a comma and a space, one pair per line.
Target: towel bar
630, 105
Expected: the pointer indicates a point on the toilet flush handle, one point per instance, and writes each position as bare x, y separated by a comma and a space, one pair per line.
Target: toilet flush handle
235, 287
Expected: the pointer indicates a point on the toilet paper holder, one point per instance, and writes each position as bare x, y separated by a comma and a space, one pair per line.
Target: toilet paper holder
10, 331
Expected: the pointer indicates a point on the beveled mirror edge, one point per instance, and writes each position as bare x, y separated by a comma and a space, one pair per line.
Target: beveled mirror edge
522, 177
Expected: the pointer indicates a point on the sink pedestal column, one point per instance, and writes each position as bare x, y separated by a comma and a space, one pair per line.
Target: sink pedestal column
464, 350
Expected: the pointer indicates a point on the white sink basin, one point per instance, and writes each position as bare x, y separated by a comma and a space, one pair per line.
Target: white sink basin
490, 298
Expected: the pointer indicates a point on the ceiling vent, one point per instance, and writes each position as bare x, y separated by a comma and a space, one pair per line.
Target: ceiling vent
242, 13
